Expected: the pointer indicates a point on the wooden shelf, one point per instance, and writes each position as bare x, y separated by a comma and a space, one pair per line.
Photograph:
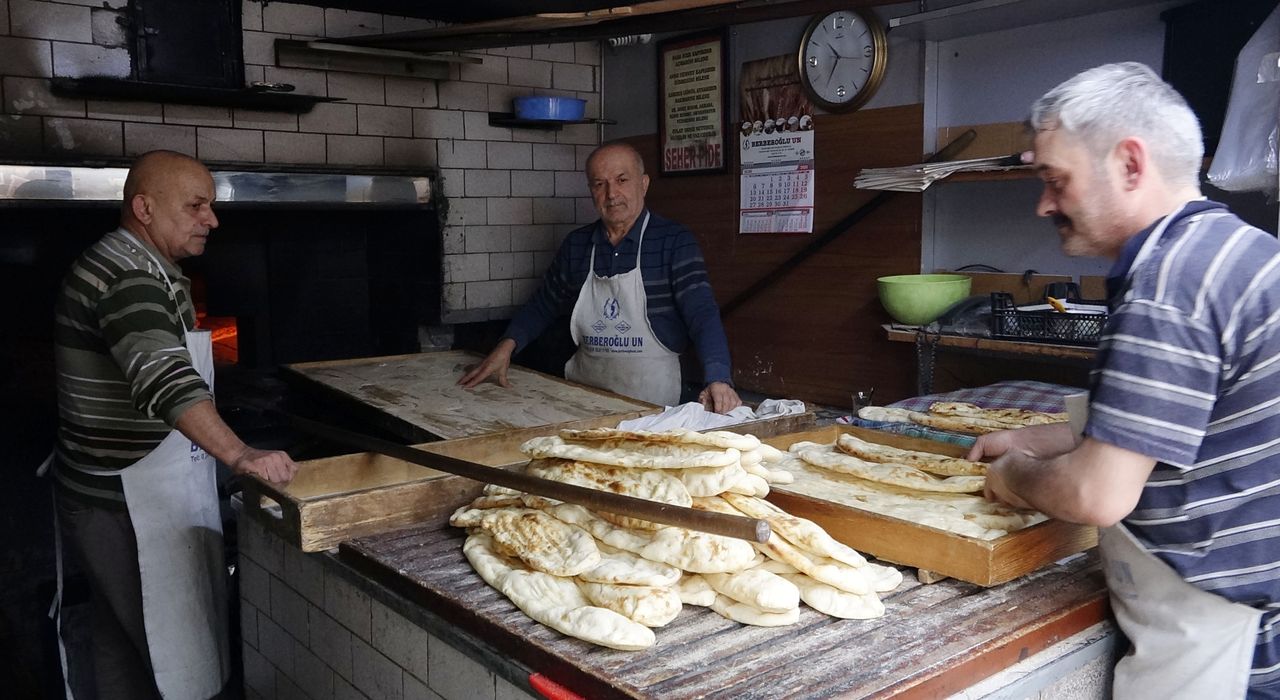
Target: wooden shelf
510, 120
1048, 351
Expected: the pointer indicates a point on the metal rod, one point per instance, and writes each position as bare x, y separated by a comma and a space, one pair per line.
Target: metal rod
835, 231
741, 527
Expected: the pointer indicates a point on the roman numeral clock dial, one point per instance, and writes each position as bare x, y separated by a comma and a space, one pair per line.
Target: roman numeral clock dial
842, 59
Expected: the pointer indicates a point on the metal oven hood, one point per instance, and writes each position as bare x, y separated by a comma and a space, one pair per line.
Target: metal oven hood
50, 184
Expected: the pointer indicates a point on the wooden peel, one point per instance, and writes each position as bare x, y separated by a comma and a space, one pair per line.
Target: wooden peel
741, 527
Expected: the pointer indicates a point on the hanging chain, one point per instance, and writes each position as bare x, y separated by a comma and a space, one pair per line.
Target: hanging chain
926, 350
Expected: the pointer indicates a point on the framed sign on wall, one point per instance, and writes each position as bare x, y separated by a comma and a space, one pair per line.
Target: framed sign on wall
692, 103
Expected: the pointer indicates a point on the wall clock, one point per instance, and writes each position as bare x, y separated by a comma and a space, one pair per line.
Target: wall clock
842, 59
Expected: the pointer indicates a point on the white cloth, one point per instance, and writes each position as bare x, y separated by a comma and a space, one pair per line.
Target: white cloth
693, 416
617, 348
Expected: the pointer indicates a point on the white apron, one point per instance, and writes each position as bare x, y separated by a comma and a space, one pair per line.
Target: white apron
617, 348
172, 496
1186, 642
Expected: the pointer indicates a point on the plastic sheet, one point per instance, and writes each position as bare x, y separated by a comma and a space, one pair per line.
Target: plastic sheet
1246, 158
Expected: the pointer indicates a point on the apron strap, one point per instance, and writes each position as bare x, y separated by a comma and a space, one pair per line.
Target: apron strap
55, 607
173, 294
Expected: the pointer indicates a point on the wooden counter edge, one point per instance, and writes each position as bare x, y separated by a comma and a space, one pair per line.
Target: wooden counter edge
997, 656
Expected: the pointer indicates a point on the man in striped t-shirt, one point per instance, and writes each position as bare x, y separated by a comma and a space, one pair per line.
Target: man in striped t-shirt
1180, 457
134, 481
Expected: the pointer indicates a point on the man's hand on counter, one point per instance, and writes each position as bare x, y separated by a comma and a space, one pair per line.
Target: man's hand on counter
273, 465
719, 397
495, 364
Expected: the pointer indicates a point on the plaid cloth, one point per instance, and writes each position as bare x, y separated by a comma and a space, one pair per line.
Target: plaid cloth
1026, 395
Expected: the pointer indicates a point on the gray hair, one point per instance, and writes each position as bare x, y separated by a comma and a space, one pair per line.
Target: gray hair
1103, 105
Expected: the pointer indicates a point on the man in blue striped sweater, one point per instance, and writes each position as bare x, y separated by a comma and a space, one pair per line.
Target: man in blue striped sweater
638, 289
1180, 458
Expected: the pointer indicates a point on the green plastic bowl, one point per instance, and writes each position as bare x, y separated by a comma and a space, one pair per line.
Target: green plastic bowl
919, 299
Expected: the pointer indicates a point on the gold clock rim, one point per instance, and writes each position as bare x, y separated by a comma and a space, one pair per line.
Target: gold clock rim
879, 61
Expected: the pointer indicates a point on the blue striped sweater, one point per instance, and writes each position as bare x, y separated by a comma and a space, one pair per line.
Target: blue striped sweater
681, 305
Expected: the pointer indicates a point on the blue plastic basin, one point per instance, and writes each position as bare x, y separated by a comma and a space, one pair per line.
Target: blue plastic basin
569, 109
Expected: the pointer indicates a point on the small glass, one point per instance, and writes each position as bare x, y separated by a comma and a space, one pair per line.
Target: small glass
862, 399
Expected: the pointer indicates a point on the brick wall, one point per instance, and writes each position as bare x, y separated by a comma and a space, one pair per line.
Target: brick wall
309, 632
513, 193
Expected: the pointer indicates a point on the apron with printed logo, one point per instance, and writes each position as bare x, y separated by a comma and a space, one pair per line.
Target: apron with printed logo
1185, 642
617, 348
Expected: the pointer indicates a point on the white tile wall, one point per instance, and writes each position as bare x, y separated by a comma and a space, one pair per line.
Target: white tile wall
329, 118
384, 121
228, 144
197, 115
32, 96
488, 183
491, 69
530, 73
532, 183
510, 156
351, 23
496, 178
106, 28
140, 138
128, 112
568, 76
88, 136
358, 87
384, 656
488, 239
355, 150
437, 124
46, 20
26, 56
562, 53
409, 92
290, 18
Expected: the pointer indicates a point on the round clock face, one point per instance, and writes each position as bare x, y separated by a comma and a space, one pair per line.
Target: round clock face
842, 59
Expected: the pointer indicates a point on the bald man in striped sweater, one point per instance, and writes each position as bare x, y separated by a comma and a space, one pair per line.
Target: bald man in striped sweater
137, 439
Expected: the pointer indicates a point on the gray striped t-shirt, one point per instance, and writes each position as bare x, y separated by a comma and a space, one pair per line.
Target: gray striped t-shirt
1188, 373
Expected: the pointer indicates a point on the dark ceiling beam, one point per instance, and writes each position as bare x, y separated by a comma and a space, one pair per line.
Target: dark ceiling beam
542, 30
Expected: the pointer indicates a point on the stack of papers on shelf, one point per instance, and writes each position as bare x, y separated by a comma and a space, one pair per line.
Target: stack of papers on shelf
916, 178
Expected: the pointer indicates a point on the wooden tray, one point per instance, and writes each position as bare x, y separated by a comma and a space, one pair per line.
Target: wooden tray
417, 396
984, 562
338, 498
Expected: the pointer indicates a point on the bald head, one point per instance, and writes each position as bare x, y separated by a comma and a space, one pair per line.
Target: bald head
168, 202
620, 149
152, 171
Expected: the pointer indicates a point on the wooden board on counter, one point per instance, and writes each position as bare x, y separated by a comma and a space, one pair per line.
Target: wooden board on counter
984, 562
932, 642
417, 396
337, 498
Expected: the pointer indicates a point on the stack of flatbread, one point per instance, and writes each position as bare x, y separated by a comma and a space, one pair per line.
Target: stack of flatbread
610, 579
963, 417
923, 487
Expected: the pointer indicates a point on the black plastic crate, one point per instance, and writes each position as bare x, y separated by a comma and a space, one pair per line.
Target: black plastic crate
1045, 326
